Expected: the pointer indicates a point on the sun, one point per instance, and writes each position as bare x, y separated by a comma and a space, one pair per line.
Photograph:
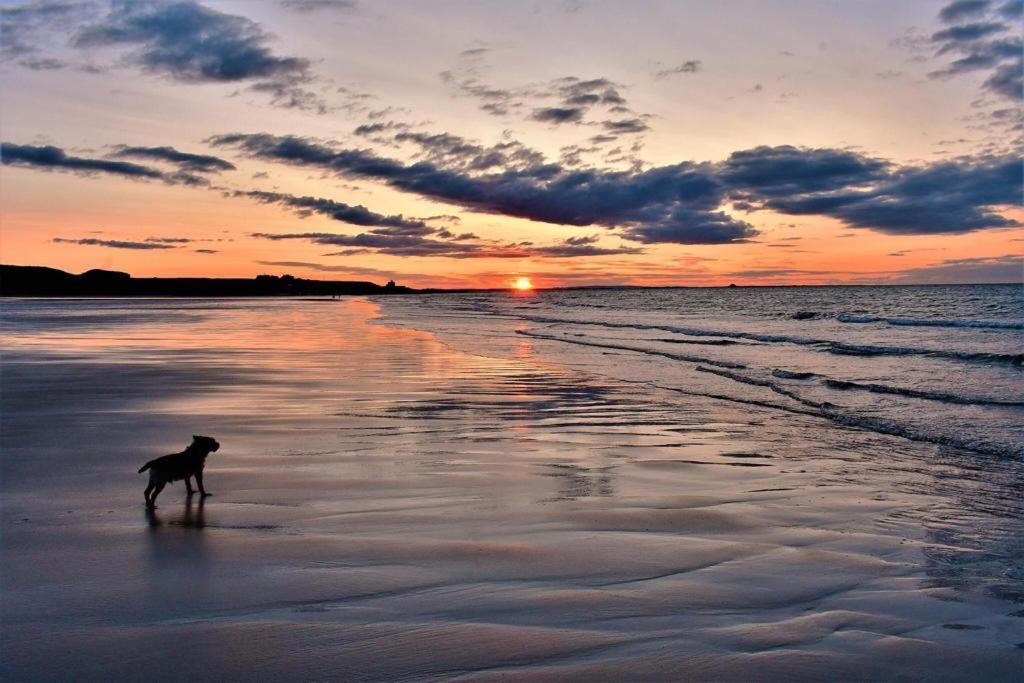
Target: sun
522, 284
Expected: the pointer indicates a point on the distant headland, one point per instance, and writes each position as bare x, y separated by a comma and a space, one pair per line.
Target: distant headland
32, 281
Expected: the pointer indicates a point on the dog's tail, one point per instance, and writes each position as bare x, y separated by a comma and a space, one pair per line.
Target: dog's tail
146, 466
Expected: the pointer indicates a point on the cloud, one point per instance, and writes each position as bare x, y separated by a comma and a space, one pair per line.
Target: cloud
687, 226
206, 251
339, 211
680, 203
49, 157
576, 97
198, 163
691, 66
24, 27
786, 170
963, 9
968, 32
350, 252
625, 126
1007, 80
641, 202
169, 240
981, 47
189, 42
557, 115
453, 151
1014, 9
113, 244
942, 198
309, 6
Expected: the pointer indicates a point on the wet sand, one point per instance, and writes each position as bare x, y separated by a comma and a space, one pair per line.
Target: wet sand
388, 508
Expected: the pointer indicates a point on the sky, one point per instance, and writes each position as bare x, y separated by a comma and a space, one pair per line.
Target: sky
465, 144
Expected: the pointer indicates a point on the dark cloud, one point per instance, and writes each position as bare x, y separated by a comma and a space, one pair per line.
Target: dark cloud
680, 203
968, 32
206, 251
349, 252
453, 151
199, 163
339, 211
691, 66
24, 27
557, 115
625, 126
308, 6
189, 42
368, 129
1007, 80
288, 92
576, 97
983, 55
494, 101
169, 240
113, 244
650, 205
688, 226
981, 47
963, 9
942, 198
1014, 9
49, 157
786, 170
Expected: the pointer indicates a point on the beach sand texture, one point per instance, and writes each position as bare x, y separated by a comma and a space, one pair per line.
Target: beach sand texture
388, 508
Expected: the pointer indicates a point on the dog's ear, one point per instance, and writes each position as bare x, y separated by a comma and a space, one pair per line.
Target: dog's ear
196, 438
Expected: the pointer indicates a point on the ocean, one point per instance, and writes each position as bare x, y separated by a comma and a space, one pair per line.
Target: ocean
939, 364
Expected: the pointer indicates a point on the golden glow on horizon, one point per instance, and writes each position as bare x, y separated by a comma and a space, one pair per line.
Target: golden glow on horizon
522, 284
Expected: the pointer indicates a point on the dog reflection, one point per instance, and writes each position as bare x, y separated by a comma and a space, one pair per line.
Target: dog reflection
193, 516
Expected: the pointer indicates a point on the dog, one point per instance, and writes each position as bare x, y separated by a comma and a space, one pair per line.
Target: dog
189, 463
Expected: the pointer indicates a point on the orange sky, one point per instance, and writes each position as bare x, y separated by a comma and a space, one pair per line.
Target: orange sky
695, 84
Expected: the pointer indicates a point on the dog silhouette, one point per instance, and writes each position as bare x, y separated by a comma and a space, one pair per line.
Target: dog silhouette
185, 465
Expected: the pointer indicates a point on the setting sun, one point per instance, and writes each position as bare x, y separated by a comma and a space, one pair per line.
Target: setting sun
522, 284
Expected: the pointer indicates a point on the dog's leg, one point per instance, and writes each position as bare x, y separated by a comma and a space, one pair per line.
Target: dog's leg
152, 498
188, 485
149, 490
199, 480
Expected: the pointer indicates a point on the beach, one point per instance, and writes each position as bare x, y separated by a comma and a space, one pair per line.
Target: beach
394, 503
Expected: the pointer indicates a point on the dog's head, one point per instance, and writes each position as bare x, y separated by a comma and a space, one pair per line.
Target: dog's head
205, 443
